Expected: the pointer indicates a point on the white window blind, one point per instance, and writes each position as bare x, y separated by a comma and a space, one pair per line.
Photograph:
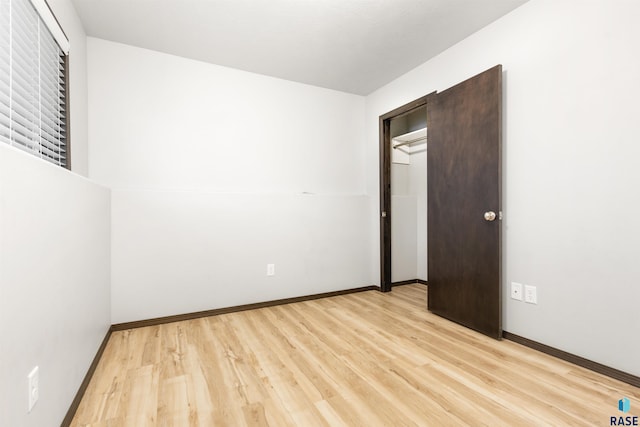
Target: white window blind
32, 83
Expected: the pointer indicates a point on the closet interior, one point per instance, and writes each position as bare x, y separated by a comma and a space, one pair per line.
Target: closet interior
409, 196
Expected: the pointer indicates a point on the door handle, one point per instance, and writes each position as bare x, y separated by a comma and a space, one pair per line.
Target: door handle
489, 216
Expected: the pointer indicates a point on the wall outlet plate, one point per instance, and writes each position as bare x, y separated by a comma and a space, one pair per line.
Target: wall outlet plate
530, 294
516, 291
33, 380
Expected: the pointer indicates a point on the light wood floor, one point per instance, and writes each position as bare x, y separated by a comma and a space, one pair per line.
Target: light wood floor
365, 359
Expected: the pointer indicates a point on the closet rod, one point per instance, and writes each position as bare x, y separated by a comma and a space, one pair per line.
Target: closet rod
411, 141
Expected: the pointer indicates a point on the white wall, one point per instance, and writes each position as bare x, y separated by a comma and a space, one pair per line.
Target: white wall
159, 121
54, 284
403, 212
54, 262
404, 245
409, 217
570, 167
67, 17
211, 169
418, 187
180, 252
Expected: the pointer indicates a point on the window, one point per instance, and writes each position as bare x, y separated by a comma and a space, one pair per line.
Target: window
33, 62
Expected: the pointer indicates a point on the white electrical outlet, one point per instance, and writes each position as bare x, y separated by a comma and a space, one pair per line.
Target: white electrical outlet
271, 269
34, 387
516, 291
530, 294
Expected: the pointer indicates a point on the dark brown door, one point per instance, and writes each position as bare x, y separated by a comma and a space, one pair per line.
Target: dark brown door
463, 172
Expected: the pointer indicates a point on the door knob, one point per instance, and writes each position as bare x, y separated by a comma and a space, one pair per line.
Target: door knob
489, 216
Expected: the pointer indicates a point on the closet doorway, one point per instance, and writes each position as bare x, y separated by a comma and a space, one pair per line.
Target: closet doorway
463, 206
408, 134
394, 184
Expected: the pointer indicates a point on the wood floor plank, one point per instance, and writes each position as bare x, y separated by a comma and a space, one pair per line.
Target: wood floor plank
365, 359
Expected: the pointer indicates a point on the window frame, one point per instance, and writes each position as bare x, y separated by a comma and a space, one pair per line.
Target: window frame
47, 21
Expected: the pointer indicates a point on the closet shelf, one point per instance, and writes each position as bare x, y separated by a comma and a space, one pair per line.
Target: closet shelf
409, 138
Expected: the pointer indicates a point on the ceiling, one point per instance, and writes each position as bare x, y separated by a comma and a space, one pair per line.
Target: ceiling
354, 46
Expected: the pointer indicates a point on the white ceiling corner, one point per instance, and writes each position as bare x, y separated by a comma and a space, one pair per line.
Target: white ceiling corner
353, 46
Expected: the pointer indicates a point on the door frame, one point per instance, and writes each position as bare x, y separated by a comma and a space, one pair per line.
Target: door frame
385, 184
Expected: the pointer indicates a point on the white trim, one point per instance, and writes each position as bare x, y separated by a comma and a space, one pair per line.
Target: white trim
51, 22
